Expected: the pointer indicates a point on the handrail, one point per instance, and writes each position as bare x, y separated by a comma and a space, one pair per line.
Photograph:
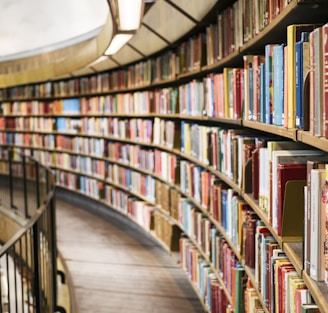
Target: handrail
28, 258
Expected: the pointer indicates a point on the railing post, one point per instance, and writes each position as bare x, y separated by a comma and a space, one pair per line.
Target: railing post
11, 187
25, 188
52, 212
36, 258
37, 181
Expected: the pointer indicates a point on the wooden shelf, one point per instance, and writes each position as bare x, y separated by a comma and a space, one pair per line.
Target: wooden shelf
319, 292
272, 129
294, 251
304, 11
314, 141
297, 11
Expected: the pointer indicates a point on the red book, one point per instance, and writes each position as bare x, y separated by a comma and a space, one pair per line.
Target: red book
279, 284
325, 77
251, 221
287, 172
257, 60
270, 246
236, 93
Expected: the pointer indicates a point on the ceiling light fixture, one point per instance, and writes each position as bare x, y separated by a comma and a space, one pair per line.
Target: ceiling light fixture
126, 16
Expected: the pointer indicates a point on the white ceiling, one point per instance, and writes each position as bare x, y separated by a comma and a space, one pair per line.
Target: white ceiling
27, 25
54, 39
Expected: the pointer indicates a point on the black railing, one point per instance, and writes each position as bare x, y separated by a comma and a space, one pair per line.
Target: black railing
28, 235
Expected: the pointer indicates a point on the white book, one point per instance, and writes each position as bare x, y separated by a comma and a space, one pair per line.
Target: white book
318, 224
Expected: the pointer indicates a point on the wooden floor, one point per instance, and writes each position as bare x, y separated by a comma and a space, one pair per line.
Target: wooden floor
117, 268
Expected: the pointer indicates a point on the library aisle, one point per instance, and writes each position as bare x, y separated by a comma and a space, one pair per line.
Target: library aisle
117, 268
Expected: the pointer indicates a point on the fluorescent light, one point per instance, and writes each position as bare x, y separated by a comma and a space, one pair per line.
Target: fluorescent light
100, 59
118, 41
129, 14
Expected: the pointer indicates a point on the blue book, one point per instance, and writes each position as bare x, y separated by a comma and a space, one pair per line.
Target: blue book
71, 106
182, 136
262, 93
268, 84
278, 85
61, 124
224, 198
299, 82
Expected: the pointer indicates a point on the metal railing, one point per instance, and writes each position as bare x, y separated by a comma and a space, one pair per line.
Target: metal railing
28, 257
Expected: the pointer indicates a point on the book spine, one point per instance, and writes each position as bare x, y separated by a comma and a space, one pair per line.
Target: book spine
325, 77
318, 108
278, 85
268, 84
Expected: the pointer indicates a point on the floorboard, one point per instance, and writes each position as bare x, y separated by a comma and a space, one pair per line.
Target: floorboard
117, 268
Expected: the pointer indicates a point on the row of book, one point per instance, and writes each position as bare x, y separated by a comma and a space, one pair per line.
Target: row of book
115, 197
198, 226
263, 90
140, 211
234, 26
281, 287
121, 103
27, 123
266, 156
136, 129
160, 163
166, 231
28, 139
212, 243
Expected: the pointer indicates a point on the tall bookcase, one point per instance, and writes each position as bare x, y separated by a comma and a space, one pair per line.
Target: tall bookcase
169, 141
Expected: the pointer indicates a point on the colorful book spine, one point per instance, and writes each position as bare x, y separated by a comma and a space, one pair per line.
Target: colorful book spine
325, 78
293, 35
278, 83
269, 83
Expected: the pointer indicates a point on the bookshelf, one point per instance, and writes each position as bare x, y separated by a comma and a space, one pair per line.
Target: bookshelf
166, 149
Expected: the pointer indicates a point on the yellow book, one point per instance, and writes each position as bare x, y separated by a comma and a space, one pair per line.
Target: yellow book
293, 284
227, 91
293, 35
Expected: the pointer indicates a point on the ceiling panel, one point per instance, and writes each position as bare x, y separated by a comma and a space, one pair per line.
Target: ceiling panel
196, 8
147, 42
104, 65
83, 71
168, 21
62, 77
126, 55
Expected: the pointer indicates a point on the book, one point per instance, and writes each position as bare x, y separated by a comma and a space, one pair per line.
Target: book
286, 157
262, 93
266, 167
302, 296
286, 172
302, 67
294, 283
71, 106
239, 284
310, 308
325, 78
311, 164
257, 61
293, 35
278, 281
316, 83
269, 83
248, 87
319, 178
278, 85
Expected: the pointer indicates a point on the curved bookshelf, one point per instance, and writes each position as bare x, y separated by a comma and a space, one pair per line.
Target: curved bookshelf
237, 128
